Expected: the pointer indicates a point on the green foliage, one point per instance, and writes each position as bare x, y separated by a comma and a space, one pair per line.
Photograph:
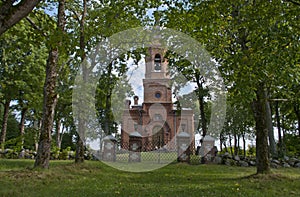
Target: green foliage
12, 127
292, 144
111, 93
11, 154
22, 64
14, 144
67, 140
14, 140
251, 151
195, 159
22, 69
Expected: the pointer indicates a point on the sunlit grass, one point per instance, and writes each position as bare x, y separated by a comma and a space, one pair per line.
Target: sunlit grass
64, 178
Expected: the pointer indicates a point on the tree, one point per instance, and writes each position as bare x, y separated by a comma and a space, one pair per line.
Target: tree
192, 74
94, 22
50, 93
239, 124
22, 66
252, 59
254, 41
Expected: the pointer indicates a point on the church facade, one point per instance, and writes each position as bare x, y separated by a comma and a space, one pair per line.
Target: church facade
157, 119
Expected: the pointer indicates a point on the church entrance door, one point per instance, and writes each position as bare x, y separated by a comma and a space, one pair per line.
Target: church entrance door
157, 137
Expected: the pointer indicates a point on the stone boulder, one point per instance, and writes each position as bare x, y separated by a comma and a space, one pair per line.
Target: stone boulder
252, 163
227, 155
297, 165
217, 160
293, 161
230, 162
236, 158
275, 161
286, 165
286, 158
243, 164
274, 165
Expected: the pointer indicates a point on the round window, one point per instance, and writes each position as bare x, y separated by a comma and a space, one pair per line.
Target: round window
157, 95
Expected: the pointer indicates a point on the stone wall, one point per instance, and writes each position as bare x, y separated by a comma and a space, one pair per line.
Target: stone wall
227, 159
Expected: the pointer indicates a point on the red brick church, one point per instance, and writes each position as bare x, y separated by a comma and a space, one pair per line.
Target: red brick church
156, 119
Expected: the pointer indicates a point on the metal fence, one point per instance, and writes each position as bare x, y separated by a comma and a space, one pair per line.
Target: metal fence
150, 152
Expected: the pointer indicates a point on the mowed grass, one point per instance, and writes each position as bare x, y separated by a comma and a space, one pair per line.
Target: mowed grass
64, 178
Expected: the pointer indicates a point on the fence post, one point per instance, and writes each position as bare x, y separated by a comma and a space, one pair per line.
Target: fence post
135, 147
183, 147
206, 149
109, 150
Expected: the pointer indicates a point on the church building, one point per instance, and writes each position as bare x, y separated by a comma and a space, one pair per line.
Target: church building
156, 120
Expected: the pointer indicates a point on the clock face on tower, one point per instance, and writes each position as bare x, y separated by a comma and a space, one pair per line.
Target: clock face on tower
157, 95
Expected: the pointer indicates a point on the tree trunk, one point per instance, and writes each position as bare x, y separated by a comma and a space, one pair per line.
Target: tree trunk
244, 144
38, 126
79, 156
273, 150
225, 147
297, 112
22, 125
235, 144
50, 97
278, 128
221, 142
50, 100
107, 111
230, 145
62, 134
200, 81
283, 135
4, 124
262, 153
108, 121
238, 144
203, 117
58, 134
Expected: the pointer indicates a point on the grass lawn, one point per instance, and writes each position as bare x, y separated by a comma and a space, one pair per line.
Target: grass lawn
97, 179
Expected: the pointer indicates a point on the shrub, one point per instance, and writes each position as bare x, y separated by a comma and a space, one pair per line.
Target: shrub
292, 144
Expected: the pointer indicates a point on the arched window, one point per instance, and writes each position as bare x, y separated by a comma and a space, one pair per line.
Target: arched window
157, 62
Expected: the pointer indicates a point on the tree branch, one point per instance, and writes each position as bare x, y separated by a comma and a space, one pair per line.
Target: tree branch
32, 23
75, 14
11, 14
294, 2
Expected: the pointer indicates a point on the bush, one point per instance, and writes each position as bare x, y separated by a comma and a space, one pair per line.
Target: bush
292, 144
195, 159
11, 154
251, 151
55, 151
65, 154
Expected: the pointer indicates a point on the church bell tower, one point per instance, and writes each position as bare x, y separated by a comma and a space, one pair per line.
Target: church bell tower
157, 83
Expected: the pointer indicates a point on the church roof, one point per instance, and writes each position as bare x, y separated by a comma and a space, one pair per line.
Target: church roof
183, 134
110, 137
135, 134
209, 138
